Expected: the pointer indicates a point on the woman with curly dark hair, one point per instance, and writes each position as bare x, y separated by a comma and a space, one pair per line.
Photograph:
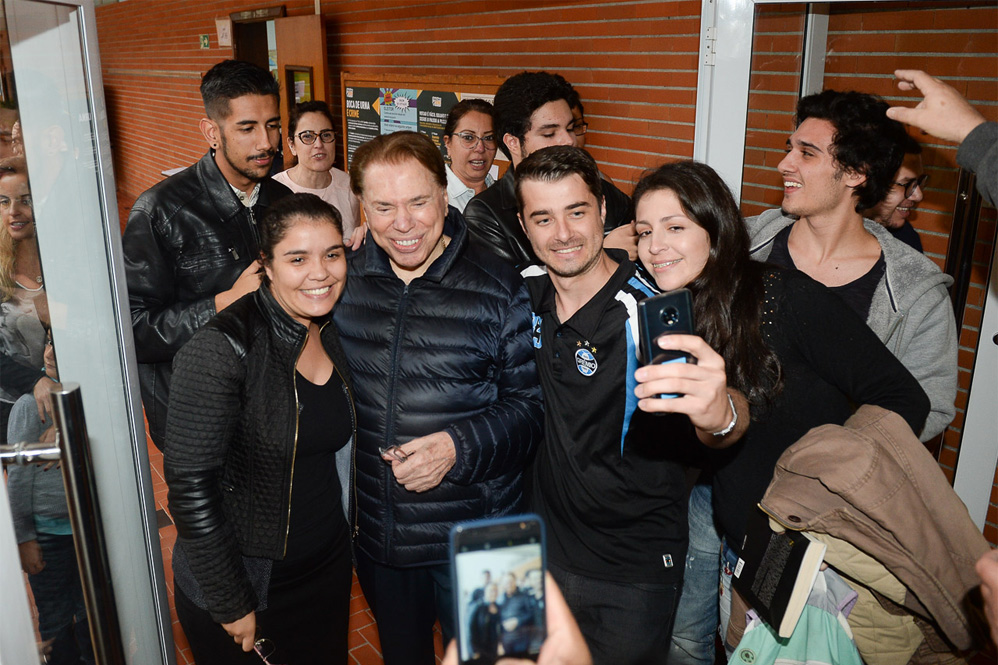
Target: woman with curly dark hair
801, 356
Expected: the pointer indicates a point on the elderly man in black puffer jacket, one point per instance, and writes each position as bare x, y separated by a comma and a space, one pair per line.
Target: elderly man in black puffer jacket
437, 335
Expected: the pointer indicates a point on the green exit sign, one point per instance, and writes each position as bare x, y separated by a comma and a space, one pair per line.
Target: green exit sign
205, 43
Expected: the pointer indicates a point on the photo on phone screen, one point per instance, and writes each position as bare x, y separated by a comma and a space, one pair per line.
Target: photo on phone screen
498, 576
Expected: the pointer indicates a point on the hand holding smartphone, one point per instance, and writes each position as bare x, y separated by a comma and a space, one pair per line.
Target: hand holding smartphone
669, 313
497, 571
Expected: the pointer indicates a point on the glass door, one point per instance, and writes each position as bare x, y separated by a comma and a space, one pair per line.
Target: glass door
61, 275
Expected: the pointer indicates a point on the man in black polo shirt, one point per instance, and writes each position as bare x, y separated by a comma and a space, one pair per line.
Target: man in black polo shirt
607, 478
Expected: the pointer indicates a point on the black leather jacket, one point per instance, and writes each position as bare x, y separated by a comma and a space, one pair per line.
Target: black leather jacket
188, 238
493, 222
231, 436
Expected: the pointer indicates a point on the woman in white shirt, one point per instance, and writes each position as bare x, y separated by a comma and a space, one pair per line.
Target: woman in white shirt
471, 147
312, 140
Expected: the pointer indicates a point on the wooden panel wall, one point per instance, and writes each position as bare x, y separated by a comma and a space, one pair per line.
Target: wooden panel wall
866, 43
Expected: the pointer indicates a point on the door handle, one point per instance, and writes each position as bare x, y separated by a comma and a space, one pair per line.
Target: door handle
72, 448
22, 454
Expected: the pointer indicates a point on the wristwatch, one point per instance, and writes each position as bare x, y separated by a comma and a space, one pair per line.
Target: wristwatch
734, 419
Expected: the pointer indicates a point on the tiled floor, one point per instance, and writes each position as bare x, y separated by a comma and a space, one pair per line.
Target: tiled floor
365, 648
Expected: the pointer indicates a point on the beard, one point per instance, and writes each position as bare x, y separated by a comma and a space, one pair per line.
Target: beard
247, 169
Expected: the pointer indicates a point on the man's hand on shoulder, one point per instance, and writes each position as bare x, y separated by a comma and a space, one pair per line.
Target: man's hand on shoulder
428, 459
247, 282
623, 237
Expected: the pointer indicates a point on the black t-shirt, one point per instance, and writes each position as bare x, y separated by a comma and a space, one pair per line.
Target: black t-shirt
858, 293
605, 479
832, 363
317, 527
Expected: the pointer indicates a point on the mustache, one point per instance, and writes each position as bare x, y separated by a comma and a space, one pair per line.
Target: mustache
266, 154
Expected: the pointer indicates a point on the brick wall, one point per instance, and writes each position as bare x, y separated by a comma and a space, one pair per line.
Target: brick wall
866, 43
633, 62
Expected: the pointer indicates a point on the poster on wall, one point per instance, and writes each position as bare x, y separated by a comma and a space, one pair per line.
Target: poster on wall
363, 120
434, 106
382, 105
398, 110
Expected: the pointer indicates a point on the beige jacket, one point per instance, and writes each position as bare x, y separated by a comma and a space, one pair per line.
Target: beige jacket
872, 484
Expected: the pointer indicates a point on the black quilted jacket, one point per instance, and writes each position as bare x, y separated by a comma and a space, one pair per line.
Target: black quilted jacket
230, 442
449, 352
188, 238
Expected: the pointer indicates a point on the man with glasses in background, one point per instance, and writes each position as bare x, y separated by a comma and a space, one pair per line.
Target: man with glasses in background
532, 110
191, 243
903, 197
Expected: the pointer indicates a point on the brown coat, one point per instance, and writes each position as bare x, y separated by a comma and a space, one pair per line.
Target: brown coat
873, 484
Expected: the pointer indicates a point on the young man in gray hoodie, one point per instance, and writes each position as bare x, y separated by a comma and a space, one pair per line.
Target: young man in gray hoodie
841, 159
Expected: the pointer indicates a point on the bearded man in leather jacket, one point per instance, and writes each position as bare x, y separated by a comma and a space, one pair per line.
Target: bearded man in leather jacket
437, 335
191, 243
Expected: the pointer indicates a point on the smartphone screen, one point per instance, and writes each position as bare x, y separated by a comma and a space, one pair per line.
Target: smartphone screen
498, 576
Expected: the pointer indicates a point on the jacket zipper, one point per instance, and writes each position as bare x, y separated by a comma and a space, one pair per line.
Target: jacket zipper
390, 430
353, 445
253, 225
294, 448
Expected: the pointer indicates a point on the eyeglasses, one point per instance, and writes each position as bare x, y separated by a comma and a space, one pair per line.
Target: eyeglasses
308, 138
265, 649
470, 141
580, 128
910, 185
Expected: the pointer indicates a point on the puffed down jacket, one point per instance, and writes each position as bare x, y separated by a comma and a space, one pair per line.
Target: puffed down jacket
451, 351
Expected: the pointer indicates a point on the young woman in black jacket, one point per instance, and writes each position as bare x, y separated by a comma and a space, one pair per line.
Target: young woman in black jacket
259, 458
800, 355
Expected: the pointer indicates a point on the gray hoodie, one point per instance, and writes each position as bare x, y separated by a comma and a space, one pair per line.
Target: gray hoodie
911, 312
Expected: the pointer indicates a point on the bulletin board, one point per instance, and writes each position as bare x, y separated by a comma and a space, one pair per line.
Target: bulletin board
381, 104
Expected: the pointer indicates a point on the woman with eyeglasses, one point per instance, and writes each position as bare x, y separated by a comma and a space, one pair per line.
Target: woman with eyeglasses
312, 140
471, 146
259, 458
